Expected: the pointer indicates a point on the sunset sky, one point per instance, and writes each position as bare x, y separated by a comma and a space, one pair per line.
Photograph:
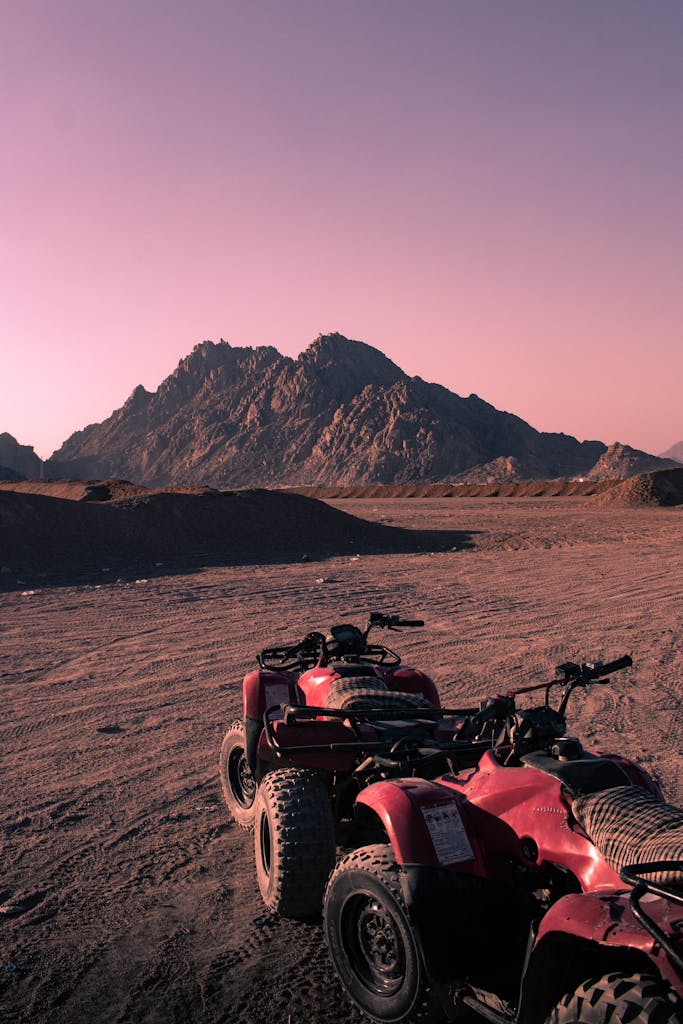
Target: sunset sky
490, 191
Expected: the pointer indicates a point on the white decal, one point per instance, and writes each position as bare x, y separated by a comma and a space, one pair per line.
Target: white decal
447, 833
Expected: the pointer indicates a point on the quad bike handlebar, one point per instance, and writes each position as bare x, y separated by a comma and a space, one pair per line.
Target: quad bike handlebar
535, 728
344, 642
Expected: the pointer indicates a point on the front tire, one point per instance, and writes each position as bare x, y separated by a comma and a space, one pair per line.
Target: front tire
294, 841
619, 999
237, 782
371, 940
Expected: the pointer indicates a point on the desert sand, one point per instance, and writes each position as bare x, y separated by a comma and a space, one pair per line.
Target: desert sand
129, 895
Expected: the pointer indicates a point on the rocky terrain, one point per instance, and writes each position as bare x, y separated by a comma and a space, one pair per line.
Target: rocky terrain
17, 461
621, 461
341, 412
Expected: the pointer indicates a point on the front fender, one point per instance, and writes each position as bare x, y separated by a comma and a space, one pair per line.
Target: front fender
422, 821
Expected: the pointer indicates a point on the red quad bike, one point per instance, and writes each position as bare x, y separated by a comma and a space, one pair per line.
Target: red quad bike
542, 884
323, 718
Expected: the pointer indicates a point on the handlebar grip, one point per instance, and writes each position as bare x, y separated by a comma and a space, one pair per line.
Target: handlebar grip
613, 666
410, 622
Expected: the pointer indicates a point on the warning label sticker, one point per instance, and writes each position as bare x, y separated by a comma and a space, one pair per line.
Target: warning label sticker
276, 693
447, 833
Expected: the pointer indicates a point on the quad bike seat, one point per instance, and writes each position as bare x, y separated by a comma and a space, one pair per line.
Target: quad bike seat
587, 774
629, 825
346, 669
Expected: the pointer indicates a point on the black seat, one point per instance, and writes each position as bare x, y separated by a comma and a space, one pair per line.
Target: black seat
588, 774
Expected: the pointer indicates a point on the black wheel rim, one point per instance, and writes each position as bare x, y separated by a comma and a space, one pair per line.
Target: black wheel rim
264, 839
374, 944
241, 780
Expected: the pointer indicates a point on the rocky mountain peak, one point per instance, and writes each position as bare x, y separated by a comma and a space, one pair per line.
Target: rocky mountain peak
620, 461
358, 362
138, 399
341, 413
20, 458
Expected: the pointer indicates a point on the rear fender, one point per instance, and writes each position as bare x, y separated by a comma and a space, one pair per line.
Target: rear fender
592, 934
411, 680
261, 689
421, 819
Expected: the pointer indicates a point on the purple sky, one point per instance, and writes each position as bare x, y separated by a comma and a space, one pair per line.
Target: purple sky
489, 191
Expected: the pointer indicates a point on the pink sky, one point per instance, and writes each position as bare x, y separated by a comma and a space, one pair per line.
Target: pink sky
489, 192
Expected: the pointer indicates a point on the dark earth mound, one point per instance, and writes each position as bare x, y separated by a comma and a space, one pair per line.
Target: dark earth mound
49, 533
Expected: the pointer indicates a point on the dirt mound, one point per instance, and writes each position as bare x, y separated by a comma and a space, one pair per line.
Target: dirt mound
93, 490
513, 489
76, 490
664, 488
40, 531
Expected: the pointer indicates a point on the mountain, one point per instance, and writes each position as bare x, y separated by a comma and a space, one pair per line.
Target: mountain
621, 461
675, 452
340, 413
10, 475
20, 458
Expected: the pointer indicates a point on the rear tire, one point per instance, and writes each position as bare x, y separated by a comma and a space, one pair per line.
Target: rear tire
348, 686
294, 841
369, 693
371, 940
619, 999
237, 782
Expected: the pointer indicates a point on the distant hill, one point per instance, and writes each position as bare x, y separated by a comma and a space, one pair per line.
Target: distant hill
675, 452
19, 458
340, 413
620, 461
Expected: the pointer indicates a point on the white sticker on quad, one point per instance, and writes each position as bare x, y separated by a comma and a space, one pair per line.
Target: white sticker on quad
447, 832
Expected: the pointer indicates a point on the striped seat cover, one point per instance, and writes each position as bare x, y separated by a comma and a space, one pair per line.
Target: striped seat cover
628, 825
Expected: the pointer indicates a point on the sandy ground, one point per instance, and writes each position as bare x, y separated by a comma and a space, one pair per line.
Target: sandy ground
140, 902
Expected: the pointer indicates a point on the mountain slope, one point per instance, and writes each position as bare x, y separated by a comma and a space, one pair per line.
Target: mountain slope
341, 412
675, 452
20, 458
620, 461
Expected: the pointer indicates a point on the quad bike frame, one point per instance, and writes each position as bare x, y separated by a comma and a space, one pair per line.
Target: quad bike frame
323, 718
489, 890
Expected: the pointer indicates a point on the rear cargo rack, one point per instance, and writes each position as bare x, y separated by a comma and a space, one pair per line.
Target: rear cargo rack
291, 714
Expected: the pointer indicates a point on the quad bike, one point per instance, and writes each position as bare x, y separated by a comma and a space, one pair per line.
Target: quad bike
323, 718
544, 884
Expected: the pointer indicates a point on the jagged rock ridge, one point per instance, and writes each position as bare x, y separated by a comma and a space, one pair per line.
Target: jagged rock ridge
620, 462
20, 459
341, 412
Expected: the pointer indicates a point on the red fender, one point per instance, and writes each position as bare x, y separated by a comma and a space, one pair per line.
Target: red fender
262, 689
422, 820
606, 918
